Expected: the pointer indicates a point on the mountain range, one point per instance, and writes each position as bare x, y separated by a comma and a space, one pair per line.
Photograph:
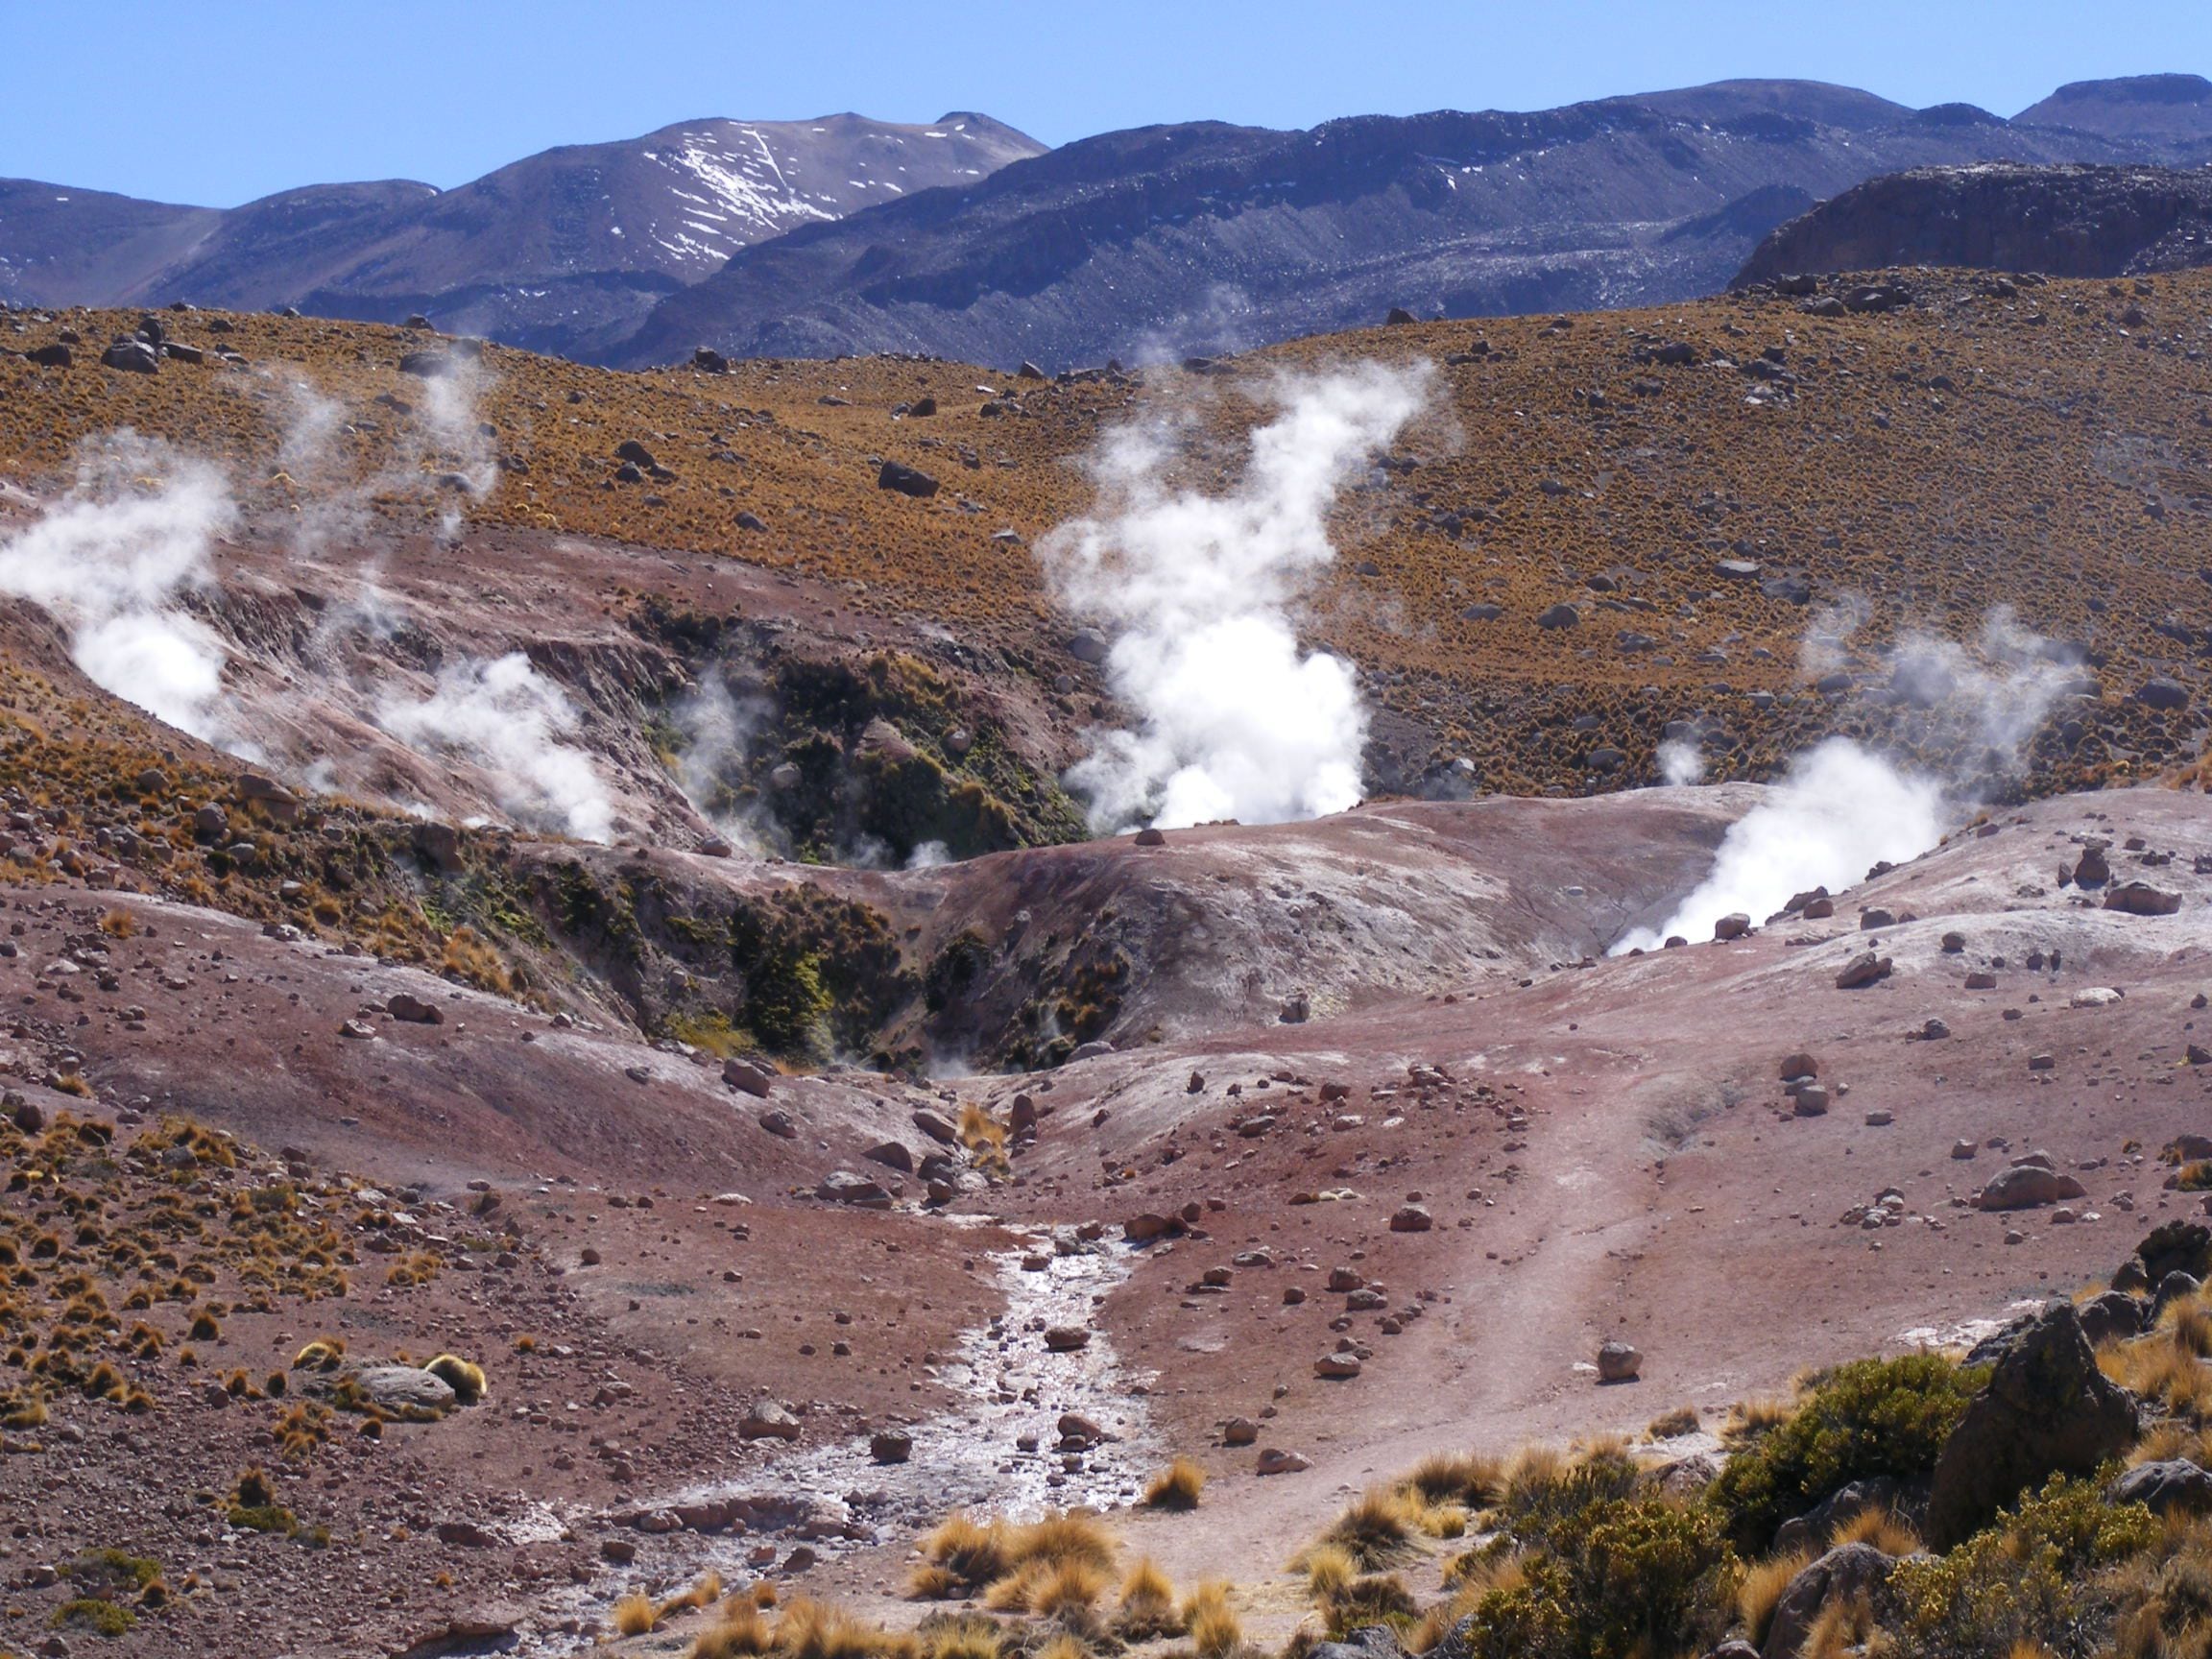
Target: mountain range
968, 239
580, 239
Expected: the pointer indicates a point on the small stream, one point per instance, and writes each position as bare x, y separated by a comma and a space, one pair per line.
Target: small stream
1009, 1389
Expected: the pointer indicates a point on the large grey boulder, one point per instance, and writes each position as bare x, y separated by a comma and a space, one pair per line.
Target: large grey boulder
1368, 1641
2026, 1185
1853, 1498
2047, 1411
1846, 1572
2112, 1315
2175, 1484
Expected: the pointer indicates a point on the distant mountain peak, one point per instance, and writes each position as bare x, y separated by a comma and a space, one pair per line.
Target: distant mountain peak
2137, 89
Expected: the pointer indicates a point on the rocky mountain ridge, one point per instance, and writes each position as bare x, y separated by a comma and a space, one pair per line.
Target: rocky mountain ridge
581, 237
1202, 238
2069, 220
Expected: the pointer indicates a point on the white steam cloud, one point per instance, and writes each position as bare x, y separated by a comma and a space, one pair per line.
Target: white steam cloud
112, 559
1840, 810
508, 720
1235, 720
1681, 761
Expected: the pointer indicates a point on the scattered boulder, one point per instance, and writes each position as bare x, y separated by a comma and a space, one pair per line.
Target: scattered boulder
769, 1420
2174, 1247
1066, 1338
1088, 645
1411, 1219
906, 480
2112, 1315
938, 1127
1862, 970
404, 1389
2162, 693
747, 1077
1733, 925
2175, 1484
2047, 1409
1558, 616
1619, 1362
844, 1186
2028, 1184
780, 1124
413, 1010
1853, 1498
892, 1156
1274, 1461
131, 358
890, 1446
1337, 1368
2141, 898
1846, 1572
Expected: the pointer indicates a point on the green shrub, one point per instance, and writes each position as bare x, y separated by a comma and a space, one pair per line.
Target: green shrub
2033, 1576
1545, 1495
1371, 1598
1867, 1418
1622, 1576
91, 1613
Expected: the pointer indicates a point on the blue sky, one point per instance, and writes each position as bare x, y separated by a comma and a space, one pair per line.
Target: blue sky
219, 101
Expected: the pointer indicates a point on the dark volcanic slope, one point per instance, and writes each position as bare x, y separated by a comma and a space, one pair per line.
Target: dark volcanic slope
581, 237
2061, 221
1204, 238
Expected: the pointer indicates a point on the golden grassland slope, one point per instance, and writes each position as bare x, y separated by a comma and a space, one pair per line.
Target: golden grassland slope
2043, 446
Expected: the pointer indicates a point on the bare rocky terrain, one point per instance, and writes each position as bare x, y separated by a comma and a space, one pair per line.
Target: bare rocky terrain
667, 965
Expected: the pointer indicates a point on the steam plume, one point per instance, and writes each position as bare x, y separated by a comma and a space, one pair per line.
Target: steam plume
1844, 809
1235, 720
510, 721
112, 559
1681, 761
1840, 810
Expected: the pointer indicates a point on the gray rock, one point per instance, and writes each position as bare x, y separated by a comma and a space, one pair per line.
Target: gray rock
2047, 1409
844, 1186
1559, 616
131, 358
747, 1077
2141, 898
1861, 969
1368, 1641
2025, 1186
906, 480
1848, 1571
402, 1387
890, 1446
2163, 693
2173, 1484
415, 1010
1088, 645
2112, 1315
1619, 1362
1811, 1530
769, 1420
